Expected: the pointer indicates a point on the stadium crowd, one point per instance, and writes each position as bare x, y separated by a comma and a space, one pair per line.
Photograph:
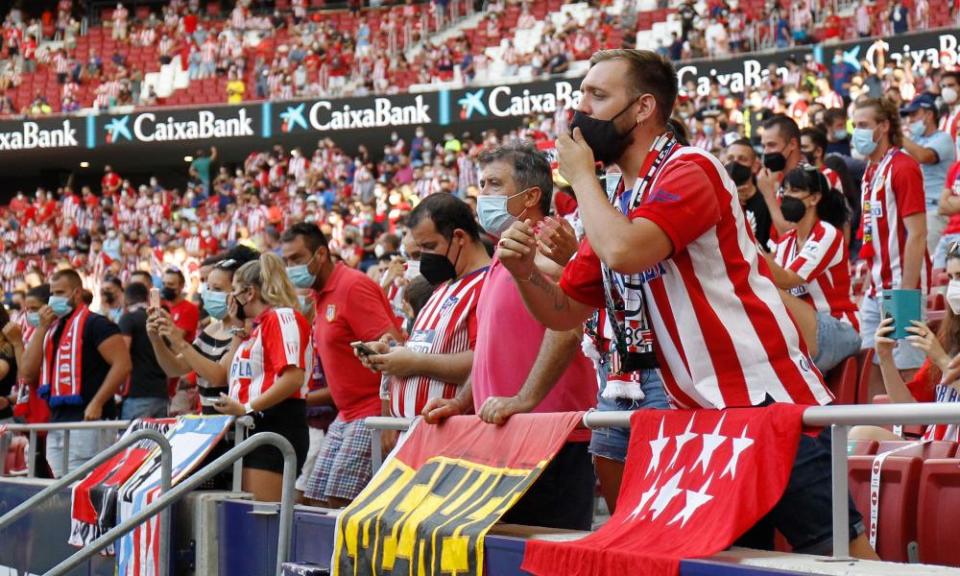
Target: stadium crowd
294, 52
314, 288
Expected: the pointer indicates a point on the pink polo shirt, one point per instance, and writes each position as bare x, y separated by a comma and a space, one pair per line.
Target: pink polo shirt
508, 341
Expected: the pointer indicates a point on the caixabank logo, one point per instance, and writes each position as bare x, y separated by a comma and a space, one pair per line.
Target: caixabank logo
182, 126
353, 114
519, 100
36, 136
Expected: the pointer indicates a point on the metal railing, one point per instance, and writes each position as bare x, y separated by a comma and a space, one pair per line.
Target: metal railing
65, 427
839, 418
166, 464
168, 498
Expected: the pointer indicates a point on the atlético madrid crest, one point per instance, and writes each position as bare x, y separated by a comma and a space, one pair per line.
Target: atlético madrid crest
331, 312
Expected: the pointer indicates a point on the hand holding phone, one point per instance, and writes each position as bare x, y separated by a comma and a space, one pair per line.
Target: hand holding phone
362, 349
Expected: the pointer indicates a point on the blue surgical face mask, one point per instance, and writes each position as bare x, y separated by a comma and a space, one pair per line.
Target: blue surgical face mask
33, 319
840, 134
863, 141
917, 129
300, 276
60, 305
493, 214
215, 303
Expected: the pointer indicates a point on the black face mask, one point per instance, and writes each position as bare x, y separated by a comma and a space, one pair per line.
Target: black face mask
793, 209
774, 161
437, 268
241, 313
168, 294
810, 158
602, 136
741, 174
109, 299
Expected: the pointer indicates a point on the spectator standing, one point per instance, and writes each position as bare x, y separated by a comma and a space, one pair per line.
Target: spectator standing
350, 307
79, 360
119, 18
146, 394
693, 262
781, 154
185, 314
436, 360
894, 222
899, 17
11, 356
742, 165
270, 361
547, 371
935, 151
950, 96
201, 168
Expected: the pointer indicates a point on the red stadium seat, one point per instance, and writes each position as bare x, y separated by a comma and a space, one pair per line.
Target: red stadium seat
862, 447
937, 535
865, 361
925, 451
913, 430
899, 485
842, 381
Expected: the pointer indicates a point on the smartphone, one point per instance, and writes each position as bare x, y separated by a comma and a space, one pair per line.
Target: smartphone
209, 401
154, 297
362, 348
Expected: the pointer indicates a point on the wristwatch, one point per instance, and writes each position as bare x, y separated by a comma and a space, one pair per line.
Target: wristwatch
241, 332
248, 409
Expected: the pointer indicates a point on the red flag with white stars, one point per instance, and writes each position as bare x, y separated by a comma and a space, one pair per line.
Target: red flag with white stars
695, 481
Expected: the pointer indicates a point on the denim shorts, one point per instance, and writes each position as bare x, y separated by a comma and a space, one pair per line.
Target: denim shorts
611, 443
804, 514
836, 340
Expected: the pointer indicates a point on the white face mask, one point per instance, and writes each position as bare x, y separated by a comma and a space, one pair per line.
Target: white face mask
949, 95
953, 296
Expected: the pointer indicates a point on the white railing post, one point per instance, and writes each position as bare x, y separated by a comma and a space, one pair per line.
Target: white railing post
841, 492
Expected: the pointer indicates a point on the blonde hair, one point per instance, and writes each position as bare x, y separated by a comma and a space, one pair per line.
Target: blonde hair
269, 275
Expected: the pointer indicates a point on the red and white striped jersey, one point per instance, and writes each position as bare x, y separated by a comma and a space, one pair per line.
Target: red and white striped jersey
723, 337
61, 63
892, 191
833, 179
280, 339
208, 51
256, 220
238, 17
823, 264
447, 324
950, 123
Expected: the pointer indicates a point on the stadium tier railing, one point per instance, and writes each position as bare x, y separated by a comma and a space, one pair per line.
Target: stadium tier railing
8, 431
195, 481
839, 418
166, 467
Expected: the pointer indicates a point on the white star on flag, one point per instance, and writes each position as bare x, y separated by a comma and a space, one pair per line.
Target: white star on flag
667, 494
711, 442
739, 445
644, 498
681, 440
694, 501
656, 447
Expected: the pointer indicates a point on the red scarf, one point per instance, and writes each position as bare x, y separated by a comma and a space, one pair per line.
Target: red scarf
61, 379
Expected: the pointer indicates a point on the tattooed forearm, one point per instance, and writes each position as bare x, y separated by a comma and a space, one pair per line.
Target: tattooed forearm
560, 302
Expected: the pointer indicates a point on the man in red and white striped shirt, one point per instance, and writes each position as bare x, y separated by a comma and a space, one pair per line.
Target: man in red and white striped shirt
894, 224
724, 336
437, 358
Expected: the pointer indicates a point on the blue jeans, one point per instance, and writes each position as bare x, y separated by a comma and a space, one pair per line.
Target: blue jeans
133, 408
940, 254
84, 445
836, 341
611, 443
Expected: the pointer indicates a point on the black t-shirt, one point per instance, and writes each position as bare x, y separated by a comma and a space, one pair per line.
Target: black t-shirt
92, 371
6, 385
147, 380
758, 216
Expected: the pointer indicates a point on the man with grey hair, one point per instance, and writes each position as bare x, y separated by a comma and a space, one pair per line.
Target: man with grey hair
546, 371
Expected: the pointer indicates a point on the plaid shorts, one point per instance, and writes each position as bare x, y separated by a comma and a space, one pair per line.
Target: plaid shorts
343, 466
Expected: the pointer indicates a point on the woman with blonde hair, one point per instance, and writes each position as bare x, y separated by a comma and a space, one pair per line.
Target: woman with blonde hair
269, 362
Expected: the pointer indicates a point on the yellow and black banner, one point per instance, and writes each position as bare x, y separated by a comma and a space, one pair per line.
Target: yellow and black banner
428, 508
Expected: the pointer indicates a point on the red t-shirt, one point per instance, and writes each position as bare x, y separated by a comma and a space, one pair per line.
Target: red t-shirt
350, 307
186, 316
